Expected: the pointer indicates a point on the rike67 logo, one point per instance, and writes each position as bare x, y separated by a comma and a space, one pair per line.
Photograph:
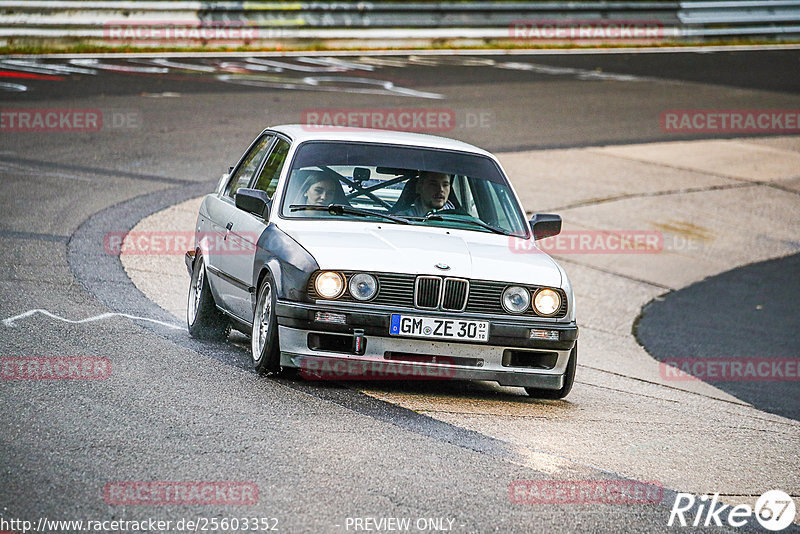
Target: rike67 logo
774, 510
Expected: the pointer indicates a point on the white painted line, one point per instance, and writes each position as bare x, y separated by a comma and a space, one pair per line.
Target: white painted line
387, 86
581, 74
382, 62
346, 65
43, 68
256, 81
165, 94
11, 321
292, 66
540, 69
457, 59
242, 67
7, 64
13, 87
95, 64
163, 62
328, 84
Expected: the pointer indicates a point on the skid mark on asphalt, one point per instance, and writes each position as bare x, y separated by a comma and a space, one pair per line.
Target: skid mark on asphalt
628, 196
422, 424
40, 168
665, 386
27, 170
11, 322
35, 236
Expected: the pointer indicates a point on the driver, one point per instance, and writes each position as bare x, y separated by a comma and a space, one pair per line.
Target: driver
433, 191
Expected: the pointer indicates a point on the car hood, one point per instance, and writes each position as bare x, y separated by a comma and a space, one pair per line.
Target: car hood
417, 250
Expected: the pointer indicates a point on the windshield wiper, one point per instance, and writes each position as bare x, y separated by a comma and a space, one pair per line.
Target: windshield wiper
341, 209
436, 217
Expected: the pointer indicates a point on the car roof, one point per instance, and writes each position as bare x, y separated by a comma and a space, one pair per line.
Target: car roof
302, 132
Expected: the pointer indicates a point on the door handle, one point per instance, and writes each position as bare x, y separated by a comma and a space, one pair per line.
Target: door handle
227, 230
229, 225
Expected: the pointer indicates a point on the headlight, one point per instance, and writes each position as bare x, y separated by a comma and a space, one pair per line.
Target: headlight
546, 302
516, 299
363, 286
329, 285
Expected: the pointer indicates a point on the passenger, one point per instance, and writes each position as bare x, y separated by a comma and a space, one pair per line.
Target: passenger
320, 189
433, 192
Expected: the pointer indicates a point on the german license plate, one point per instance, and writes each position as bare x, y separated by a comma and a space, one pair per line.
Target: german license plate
432, 327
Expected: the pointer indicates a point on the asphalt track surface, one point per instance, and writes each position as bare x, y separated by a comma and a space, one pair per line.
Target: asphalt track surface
178, 410
744, 312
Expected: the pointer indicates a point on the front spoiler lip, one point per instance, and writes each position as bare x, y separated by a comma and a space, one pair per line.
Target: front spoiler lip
504, 378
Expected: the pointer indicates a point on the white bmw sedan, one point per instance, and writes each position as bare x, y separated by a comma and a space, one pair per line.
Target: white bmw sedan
356, 253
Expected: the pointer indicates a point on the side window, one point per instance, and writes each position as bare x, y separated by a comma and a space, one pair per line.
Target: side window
249, 166
504, 206
268, 179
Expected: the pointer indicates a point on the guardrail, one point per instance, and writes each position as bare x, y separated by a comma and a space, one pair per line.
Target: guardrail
194, 23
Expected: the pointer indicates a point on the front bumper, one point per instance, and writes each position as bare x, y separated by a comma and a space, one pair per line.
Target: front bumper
510, 357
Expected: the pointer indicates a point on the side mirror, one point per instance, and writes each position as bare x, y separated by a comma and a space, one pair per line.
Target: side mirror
545, 225
253, 201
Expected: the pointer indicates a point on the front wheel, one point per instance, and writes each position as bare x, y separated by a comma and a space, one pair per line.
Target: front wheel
569, 379
264, 344
203, 318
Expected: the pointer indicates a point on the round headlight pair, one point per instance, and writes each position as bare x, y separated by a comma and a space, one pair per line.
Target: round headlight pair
330, 285
363, 286
517, 299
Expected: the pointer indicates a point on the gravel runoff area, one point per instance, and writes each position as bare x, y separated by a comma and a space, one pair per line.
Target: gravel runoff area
719, 204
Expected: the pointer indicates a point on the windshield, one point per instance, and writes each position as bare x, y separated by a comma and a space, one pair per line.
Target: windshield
407, 184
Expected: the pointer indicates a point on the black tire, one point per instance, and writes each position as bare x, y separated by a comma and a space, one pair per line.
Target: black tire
203, 318
569, 379
264, 345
